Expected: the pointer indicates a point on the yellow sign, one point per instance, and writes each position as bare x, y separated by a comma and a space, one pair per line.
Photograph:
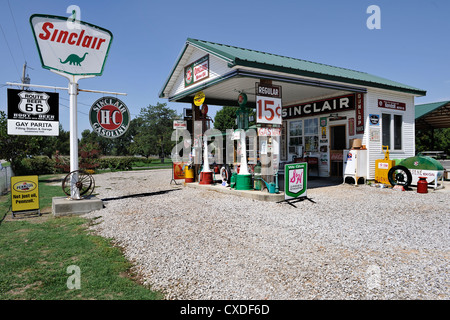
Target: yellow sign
24, 193
199, 98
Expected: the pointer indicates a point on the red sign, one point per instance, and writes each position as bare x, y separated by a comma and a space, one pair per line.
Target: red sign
351, 126
178, 170
268, 132
359, 113
393, 105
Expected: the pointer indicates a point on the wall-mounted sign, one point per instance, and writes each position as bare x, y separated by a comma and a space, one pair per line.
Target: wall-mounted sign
79, 50
33, 113
351, 126
295, 180
196, 71
109, 117
359, 113
324, 132
374, 119
24, 193
342, 103
199, 98
269, 132
393, 105
374, 134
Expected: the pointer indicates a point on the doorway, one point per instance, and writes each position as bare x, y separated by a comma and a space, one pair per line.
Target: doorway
338, 142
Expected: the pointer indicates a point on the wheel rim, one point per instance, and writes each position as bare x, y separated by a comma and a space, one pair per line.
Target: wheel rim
85, 183
400, 177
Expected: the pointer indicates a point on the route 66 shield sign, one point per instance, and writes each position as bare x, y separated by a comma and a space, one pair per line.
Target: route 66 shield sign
33, 113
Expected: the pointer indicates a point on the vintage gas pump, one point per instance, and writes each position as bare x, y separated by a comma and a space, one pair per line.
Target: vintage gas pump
244, 178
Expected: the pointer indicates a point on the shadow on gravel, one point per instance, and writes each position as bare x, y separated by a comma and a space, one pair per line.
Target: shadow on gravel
140, 195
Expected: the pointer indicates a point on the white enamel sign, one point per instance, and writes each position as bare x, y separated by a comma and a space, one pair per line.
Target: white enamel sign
76, 48
268, 110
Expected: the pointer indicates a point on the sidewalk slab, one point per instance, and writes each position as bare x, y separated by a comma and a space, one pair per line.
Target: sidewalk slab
251, 194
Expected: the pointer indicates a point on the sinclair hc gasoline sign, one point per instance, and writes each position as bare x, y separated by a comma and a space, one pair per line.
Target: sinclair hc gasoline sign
109, 117
72, 47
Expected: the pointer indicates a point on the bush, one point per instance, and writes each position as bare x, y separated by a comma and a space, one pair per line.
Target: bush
116, 163
38, 165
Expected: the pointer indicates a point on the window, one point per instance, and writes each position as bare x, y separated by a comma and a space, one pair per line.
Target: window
392, 127
312, 135
398, 121
386, 130
295, 133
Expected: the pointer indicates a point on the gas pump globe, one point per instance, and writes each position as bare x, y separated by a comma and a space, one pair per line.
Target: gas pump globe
242, 113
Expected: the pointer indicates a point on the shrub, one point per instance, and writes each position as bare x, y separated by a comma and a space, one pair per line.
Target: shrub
116, 163
35, 166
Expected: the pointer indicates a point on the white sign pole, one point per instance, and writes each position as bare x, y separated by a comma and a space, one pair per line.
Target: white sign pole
73, 93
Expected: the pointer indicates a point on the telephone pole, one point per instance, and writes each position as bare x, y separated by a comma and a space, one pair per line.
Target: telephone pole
25, 80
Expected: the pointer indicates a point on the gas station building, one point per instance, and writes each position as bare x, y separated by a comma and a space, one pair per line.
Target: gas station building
325, 109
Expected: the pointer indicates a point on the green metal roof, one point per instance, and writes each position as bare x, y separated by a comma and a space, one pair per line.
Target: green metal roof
267, 61
424, 109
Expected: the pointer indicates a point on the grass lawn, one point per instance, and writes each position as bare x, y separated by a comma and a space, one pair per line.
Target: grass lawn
35, 254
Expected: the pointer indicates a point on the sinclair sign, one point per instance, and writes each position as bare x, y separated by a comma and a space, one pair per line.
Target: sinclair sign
109, 117
75, 49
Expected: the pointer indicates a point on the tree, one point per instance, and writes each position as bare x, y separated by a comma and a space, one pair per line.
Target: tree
90, 137
226, 118
14, 148
154, 127
427, 140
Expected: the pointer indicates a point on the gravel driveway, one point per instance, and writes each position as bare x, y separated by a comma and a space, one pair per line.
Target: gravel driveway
352, 243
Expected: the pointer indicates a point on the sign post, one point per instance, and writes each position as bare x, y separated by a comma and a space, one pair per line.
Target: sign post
75, 51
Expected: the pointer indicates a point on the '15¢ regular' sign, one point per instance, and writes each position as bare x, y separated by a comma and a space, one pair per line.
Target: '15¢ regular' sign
268, 104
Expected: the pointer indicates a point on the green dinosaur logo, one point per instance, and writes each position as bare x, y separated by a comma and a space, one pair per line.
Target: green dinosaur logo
73, 59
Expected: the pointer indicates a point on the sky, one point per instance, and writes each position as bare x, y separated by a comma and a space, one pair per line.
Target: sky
411, 47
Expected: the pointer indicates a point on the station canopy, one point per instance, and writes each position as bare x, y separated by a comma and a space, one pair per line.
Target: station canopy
233, 70
433, 115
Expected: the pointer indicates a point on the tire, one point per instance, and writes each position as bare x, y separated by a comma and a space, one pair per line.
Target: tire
400, 175
225, 173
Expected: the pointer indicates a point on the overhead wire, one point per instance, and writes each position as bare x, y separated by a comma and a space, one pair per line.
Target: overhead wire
17, 32
10, 52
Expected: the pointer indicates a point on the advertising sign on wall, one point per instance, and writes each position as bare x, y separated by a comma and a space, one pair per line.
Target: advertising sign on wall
336, 104
359, 113
109, 117
33, 113
295, 180
24, 193
76, 48
393, 105
196, 71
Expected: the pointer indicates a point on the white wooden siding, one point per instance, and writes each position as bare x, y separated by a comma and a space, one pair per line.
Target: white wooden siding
408, 126
217, 68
